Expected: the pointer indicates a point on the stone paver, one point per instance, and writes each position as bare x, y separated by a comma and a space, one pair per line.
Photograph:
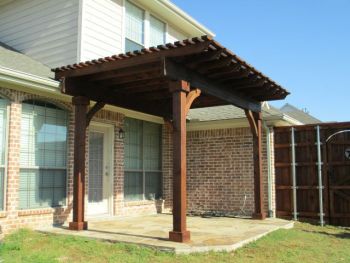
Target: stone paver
207, 234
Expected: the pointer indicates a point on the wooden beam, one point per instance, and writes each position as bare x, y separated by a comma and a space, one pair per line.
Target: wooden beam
174, 71
144, 76
255, 121
139, 85
98, 105
191, 96
252, 122
81, 106
123, 72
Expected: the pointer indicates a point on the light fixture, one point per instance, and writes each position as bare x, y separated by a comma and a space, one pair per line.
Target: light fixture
121, 134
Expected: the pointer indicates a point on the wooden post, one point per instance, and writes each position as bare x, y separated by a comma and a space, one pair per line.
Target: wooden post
181, 105
81, 106
255, 121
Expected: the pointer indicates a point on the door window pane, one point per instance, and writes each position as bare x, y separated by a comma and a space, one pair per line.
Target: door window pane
43, 155
95, 167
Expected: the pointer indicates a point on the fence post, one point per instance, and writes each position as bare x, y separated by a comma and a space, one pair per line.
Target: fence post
319, 170
294, 180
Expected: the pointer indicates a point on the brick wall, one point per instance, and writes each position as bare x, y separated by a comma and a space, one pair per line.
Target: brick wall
219, 171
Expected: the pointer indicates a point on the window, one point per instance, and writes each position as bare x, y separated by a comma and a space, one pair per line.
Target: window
3, 128
157, 32
142, 29
134, 27
43, 154
142, 155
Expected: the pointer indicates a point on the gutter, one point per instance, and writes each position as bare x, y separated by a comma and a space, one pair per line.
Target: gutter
269, 163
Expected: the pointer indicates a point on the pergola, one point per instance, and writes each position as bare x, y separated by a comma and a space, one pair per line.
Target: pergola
167, 81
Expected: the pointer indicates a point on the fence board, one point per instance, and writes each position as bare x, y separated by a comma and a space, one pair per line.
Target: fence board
335, 173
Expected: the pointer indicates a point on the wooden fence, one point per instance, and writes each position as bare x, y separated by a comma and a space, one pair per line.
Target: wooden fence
309, 173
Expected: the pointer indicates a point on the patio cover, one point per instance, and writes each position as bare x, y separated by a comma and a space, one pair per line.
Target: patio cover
167, 81
138, 80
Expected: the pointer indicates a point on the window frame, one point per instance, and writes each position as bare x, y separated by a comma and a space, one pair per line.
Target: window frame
37, 168
143, 170
146, 23
3, 206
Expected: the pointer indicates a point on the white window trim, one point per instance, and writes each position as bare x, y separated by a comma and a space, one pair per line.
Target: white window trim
5, 166
146, 22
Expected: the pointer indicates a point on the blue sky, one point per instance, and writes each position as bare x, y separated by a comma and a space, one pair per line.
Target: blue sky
304, 45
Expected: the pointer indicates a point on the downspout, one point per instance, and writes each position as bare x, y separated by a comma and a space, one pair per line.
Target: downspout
269, 163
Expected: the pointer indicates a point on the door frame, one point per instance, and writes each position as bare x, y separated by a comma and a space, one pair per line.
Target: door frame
108, 151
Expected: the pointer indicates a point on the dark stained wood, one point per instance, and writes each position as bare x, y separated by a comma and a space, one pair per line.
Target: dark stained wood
335, 173
81, 106
124, 72
138, 60
232, 73
175, 71
192, 62
191, 96
182, 100
255, 121
98, 106
217, 64
140, 85
143, 76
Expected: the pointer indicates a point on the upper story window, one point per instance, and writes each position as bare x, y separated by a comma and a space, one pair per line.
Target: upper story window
157, 31
142, 29
134, 27
3, 147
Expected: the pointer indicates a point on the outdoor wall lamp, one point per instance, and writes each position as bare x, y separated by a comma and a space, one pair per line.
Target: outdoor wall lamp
121, 134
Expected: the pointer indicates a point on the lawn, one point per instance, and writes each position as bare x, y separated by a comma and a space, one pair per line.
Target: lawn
304, 243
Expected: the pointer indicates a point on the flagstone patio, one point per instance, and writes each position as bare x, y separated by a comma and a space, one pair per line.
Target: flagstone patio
207, 234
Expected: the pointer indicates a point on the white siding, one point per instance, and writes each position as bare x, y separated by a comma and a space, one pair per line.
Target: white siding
45, 30
174, 35
102, 27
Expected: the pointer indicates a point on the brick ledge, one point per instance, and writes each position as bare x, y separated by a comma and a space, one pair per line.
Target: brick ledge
139, 203
3, 214
40, 211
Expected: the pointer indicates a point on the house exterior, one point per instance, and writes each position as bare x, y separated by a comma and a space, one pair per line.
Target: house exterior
129, 153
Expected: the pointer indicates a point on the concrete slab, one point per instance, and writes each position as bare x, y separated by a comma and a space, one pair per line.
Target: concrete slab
207, 234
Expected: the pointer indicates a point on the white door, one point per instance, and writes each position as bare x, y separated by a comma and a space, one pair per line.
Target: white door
100, 179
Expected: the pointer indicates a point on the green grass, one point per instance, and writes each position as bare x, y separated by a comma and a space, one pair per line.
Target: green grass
304, 243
